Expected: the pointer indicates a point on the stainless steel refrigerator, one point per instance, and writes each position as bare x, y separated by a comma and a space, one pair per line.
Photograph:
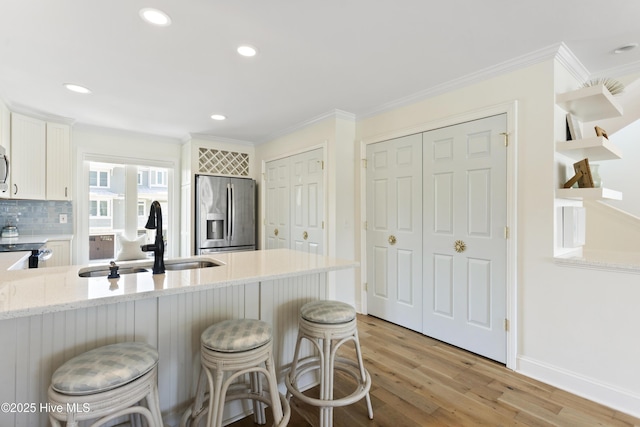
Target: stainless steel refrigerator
225, 214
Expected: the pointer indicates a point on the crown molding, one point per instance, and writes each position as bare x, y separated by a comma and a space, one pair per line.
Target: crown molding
37, 114
505, 67
333, 114
213, 138
571, 62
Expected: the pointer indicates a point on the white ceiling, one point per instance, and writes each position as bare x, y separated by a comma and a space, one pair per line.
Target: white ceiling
314, 57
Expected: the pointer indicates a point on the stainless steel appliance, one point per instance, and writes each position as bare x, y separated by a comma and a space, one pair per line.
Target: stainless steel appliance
4, 171
225, 214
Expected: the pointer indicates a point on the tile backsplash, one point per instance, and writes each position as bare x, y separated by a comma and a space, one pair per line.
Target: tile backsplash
36, 216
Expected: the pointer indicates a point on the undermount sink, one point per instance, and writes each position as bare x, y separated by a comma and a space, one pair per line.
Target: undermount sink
104, 271
188, 264
169, 265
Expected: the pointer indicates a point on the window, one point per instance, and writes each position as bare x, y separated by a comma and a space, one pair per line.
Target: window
99, 208
99, 179
119, 200
158, 178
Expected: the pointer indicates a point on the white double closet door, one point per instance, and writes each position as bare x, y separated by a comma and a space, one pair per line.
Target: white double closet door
436, 247
294, 214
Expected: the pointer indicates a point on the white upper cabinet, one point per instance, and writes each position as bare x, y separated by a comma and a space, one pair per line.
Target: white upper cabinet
58, 183
40, 161
28, 153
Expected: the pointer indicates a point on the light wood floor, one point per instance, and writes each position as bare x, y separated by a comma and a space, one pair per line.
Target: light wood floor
418, 381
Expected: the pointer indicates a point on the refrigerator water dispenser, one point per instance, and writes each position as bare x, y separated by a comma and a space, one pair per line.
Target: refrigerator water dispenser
215, 226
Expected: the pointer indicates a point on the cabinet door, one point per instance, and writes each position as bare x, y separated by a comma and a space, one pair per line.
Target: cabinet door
394, 231
58, 162
28, 150
277, 204
307, 202
61, 253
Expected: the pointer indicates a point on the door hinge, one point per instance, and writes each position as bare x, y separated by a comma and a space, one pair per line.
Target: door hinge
506, 232
323, 225
322, 164
365, 225
364, 163
506, 138
365, 285
506, 325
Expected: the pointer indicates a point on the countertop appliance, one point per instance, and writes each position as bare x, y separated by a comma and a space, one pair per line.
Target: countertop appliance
225, 214
38, 252
4, 171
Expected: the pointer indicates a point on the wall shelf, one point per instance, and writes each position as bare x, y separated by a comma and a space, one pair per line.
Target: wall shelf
595, 149
588, 193
590, 103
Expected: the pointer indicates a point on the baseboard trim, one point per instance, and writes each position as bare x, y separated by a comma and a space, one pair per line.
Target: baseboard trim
614, 397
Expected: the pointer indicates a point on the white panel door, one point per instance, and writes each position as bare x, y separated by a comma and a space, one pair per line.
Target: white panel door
307, 206
277, 204
464, 236
394, 231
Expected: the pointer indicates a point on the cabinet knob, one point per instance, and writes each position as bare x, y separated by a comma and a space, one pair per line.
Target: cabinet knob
305, 235
459, 246
275, 232
392, 240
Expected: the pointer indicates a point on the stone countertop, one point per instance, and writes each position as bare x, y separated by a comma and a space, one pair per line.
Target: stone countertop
36, 291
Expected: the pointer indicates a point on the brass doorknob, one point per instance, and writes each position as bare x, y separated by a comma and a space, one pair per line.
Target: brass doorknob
392, 240
305, 235
459, 246
275, 232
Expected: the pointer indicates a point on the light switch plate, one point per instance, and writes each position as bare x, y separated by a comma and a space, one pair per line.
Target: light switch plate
63, 218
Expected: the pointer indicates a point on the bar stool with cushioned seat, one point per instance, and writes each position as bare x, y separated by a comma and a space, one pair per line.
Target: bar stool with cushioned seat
328, 325
229, 350
106, 383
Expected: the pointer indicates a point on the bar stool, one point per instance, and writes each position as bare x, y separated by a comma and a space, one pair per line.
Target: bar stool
328, 325
236, 348
106, 383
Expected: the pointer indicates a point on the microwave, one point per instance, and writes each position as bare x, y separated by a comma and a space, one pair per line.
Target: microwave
4, 171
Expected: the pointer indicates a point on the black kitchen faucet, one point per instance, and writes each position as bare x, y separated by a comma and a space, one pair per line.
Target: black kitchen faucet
155, 221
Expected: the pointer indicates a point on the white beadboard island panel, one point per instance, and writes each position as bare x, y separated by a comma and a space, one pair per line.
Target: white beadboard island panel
69, 315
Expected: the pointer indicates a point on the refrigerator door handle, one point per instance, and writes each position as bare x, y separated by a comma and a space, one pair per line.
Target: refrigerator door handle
228, 212
233, 213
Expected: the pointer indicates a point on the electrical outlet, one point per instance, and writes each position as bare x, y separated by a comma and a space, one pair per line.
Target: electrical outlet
63, 218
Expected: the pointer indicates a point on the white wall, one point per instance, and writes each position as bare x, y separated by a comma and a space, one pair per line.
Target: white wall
576, 328
113, 144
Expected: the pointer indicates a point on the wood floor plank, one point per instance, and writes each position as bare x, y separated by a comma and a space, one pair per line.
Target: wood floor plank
419, 381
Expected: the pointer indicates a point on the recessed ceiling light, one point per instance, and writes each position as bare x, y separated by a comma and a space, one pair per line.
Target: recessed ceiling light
76, 88
155, 17
218, 117
246, 50
626, 48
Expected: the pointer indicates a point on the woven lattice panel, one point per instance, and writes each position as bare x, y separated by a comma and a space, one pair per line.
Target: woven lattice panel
223, 162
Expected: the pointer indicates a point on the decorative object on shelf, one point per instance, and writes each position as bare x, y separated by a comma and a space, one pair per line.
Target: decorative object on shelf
582, 175
595, 174
612, 85
601, 132
575, 131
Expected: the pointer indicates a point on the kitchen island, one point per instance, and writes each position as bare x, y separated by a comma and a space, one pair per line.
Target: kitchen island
49, 315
